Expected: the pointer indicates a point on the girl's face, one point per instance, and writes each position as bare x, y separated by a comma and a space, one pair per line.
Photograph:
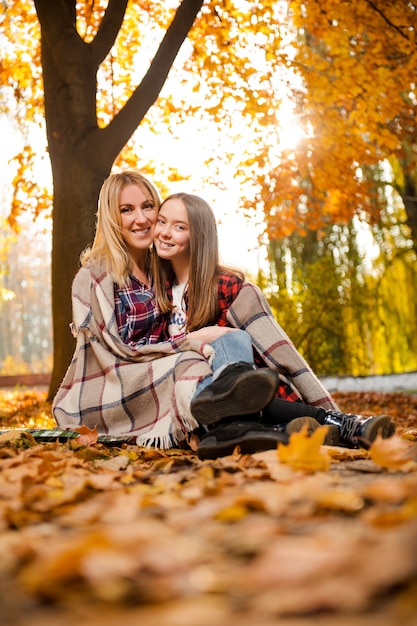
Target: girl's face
138, 217
172, 231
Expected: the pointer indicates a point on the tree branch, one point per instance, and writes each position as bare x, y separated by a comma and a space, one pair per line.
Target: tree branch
108, 30
58, 22
388, 21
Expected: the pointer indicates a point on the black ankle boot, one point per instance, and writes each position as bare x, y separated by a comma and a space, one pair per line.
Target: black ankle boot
358, 431
240, 389
245, 432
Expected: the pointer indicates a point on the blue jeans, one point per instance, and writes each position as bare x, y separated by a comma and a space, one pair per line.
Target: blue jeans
229, 348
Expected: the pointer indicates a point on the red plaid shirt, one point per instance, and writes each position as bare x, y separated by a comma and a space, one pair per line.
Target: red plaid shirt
229, 286
138, 317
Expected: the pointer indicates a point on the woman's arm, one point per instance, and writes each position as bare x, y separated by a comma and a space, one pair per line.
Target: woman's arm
210, 333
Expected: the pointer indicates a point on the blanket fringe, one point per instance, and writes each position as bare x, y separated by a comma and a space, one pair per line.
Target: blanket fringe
169, 440
163, 442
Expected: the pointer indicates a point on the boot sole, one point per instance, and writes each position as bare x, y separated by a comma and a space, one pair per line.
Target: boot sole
378, 425
332, 437
249, 393
249, 443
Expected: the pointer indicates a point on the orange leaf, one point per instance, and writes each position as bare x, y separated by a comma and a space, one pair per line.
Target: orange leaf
304, 453
87, 436
393, 453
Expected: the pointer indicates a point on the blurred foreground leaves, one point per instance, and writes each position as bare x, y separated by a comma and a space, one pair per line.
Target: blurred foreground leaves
98, 534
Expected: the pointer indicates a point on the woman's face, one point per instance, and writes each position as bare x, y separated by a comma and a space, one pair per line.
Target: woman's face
172, 231
138, 217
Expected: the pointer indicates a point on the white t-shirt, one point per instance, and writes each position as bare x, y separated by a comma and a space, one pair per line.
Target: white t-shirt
178, 316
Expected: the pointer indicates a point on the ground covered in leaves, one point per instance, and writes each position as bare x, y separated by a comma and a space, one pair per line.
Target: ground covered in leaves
124, 535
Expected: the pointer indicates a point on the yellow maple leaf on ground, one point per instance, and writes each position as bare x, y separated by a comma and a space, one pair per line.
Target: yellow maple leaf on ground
394, 453
304, 452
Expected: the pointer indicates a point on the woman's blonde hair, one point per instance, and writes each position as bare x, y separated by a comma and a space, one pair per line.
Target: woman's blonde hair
203, 299
109, 249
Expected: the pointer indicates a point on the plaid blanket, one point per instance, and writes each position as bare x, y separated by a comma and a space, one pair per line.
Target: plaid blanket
57, 434
252, 313
143, 392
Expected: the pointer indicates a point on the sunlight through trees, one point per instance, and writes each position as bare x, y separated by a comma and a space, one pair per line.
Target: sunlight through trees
297, 117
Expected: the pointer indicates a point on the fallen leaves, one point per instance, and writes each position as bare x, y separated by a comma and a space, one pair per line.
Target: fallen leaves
28, 409
301, 530
394, 453
86, 436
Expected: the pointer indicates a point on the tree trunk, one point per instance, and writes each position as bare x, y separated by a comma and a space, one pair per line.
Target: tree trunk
75, 205
409, 197
79, 163
81, 153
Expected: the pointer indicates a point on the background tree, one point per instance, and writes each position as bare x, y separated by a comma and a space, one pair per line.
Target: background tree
353, 85
25, 330
352, 67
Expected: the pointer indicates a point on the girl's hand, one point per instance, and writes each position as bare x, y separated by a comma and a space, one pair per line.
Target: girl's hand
210, 333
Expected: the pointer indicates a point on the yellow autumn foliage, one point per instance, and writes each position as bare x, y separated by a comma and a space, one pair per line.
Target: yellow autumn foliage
356, 62
348, 66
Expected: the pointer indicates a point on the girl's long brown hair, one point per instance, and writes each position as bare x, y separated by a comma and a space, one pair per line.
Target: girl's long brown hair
205, 267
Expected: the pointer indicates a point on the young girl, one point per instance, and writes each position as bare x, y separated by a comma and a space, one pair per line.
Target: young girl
196, 291
124, 379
